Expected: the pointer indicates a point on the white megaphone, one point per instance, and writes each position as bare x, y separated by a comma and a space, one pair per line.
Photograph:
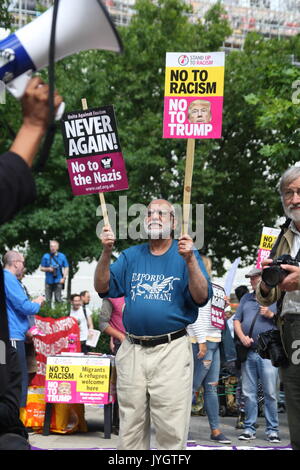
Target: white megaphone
80, 25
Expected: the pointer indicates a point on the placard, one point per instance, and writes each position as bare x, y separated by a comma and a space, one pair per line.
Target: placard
94, 157
50, 337
268, 238
93, 338
194, 88
84, 379
218, 307
230, 276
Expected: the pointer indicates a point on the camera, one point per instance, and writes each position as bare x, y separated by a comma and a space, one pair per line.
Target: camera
274, 275
269, 346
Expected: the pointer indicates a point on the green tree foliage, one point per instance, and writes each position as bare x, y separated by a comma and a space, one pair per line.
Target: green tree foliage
235, 176
260, 140
134, 83
5, 17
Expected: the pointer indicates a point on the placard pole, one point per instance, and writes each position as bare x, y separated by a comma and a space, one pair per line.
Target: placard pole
187, 190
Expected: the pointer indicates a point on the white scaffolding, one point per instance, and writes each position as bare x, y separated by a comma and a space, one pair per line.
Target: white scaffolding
26, 10
271, 18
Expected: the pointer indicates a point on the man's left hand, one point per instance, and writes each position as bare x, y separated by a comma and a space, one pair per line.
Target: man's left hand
39, 300
292, 281
185, 247
266, 312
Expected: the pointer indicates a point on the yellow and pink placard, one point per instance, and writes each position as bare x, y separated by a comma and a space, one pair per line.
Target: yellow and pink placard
194, 88
82, 379
268, 238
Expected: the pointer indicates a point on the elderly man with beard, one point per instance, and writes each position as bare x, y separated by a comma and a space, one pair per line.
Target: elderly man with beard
163, 282
287, 294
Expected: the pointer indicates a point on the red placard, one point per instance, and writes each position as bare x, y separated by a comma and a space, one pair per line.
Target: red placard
51, 337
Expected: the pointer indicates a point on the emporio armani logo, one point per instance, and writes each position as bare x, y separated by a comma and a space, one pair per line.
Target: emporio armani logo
159, 289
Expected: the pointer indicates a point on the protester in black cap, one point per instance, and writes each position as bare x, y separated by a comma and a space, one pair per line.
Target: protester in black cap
17, 189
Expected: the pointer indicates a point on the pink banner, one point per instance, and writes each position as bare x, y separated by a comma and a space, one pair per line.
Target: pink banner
261, 256
98, 173
65, 392
193, 117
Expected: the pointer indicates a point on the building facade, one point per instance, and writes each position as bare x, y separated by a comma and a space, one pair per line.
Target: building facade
272, 18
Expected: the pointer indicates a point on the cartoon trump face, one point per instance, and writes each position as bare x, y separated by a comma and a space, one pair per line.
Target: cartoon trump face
199, 111
64, 388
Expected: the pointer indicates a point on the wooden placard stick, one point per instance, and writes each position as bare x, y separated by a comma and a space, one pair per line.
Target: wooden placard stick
187, 190
101, 195
104, 209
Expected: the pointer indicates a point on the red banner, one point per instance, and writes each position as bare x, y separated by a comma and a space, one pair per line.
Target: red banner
51, 336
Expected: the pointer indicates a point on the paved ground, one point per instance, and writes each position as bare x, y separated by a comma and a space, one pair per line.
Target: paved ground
94, 438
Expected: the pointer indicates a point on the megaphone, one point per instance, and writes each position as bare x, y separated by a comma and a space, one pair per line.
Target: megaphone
80, 25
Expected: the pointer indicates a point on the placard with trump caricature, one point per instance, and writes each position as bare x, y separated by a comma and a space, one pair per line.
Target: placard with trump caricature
80, 379
193, 103
268, 238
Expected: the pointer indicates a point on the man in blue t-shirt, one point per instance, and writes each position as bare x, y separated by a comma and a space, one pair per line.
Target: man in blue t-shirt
56, 267
255, 368
163, 282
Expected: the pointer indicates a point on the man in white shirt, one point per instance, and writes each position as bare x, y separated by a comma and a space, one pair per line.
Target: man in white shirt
84, 319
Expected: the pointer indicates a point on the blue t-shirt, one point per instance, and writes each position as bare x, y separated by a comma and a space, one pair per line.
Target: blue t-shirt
58, 261
245, 313
157, 297
18, 306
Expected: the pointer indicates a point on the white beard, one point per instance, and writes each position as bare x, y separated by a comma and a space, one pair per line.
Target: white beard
292, 214
158, 232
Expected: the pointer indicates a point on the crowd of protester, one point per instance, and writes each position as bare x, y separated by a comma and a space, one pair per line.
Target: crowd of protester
152, 294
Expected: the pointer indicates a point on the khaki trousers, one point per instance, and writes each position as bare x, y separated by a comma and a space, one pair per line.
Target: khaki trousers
154, 385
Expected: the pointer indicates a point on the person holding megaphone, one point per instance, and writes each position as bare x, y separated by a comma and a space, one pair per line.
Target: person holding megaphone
17, 189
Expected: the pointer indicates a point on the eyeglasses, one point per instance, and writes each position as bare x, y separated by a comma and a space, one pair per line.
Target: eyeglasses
199, 110
289, 193
161, 213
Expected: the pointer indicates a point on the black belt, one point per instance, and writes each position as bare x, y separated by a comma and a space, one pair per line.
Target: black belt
156, 340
